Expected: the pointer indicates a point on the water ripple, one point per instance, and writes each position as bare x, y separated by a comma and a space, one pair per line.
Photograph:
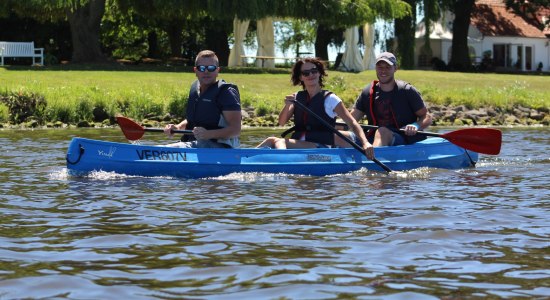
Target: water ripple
422, 234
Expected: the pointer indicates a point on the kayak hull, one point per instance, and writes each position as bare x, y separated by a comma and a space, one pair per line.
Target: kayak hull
87, 155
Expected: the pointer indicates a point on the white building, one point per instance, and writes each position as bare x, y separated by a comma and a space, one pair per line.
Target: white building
506, 40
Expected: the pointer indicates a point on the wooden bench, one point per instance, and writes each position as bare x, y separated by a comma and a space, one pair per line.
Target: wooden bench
21, 49
264, 58
286, 59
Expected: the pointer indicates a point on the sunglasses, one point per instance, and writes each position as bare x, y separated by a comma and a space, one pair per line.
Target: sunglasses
210, 68
310, 71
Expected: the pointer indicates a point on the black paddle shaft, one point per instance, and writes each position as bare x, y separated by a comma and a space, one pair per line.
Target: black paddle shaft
162, 130
338, 133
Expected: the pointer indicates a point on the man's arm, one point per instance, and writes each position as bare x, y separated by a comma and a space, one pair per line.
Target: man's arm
233, 128
424, 118
357, 114
288, 110
170, 127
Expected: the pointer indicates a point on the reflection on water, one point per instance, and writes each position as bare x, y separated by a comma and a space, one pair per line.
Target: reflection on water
428, 233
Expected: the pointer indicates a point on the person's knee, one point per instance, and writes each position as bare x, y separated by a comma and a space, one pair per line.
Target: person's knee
279, 143
338, 141
384, 131
268, 142
383, 137
271, 139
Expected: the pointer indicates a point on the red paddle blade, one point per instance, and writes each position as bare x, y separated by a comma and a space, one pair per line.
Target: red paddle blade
131, 130
481, 140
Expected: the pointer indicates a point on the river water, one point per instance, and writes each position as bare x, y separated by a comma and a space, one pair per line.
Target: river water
482, 232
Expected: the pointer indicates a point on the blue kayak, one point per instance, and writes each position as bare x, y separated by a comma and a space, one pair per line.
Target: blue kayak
86, 155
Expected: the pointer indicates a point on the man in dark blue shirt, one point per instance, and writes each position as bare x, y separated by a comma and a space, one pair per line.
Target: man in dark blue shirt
213, 109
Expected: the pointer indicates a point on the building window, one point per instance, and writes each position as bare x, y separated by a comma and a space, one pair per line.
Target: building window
528, 58
501, 55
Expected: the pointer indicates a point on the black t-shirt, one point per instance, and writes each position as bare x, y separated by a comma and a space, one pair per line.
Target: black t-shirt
382, 109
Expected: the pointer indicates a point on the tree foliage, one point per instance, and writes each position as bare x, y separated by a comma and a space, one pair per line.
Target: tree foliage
432, 13
126, 28
405, 28
294, 33
528, 9
84, 17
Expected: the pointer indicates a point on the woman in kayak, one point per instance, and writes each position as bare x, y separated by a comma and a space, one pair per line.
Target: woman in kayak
309, 132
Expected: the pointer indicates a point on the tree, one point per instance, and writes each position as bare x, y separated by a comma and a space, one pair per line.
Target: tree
294, 33
326, 35
336, 16
216, 36
171, 16
405, 28
128, 35
460, 57
528, 9
54, 37
332, 17
328, 17
85, 22
431, 9
84, 17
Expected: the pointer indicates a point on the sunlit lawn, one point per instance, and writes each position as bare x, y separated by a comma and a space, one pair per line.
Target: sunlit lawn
66, 87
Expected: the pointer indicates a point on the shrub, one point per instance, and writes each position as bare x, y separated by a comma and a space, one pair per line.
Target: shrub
84, 109
4, 113
61, 113
336, 84
177, 105
262, 110
101, 112
142, 105
23, 105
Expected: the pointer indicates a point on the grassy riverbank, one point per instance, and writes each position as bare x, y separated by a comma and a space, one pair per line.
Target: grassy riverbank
75, 94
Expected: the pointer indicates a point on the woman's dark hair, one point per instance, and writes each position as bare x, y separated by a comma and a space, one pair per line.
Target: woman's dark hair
297, 70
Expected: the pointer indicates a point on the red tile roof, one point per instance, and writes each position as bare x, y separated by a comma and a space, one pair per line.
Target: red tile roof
492, 18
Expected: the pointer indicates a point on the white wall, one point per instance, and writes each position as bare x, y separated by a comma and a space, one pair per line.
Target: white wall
540, 49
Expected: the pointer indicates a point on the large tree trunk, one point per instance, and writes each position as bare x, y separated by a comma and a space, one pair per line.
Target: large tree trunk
152, 40
175, 37
322, 40
460, 57
404, 33
85, 23
216, 39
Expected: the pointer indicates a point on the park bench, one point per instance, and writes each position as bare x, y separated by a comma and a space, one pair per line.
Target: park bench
21, 49
286, 59
264, 58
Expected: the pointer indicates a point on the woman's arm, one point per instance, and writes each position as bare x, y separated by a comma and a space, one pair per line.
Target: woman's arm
287, 111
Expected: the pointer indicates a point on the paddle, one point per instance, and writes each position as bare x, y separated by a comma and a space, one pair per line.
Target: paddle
481, 140
338, 133
133, 131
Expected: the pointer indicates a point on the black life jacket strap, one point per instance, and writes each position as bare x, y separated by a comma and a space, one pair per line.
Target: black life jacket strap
291, 129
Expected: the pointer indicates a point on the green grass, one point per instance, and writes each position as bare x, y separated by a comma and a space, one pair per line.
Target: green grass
72, 93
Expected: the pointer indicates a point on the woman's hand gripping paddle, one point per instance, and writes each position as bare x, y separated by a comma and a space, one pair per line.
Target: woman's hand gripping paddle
338, 133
